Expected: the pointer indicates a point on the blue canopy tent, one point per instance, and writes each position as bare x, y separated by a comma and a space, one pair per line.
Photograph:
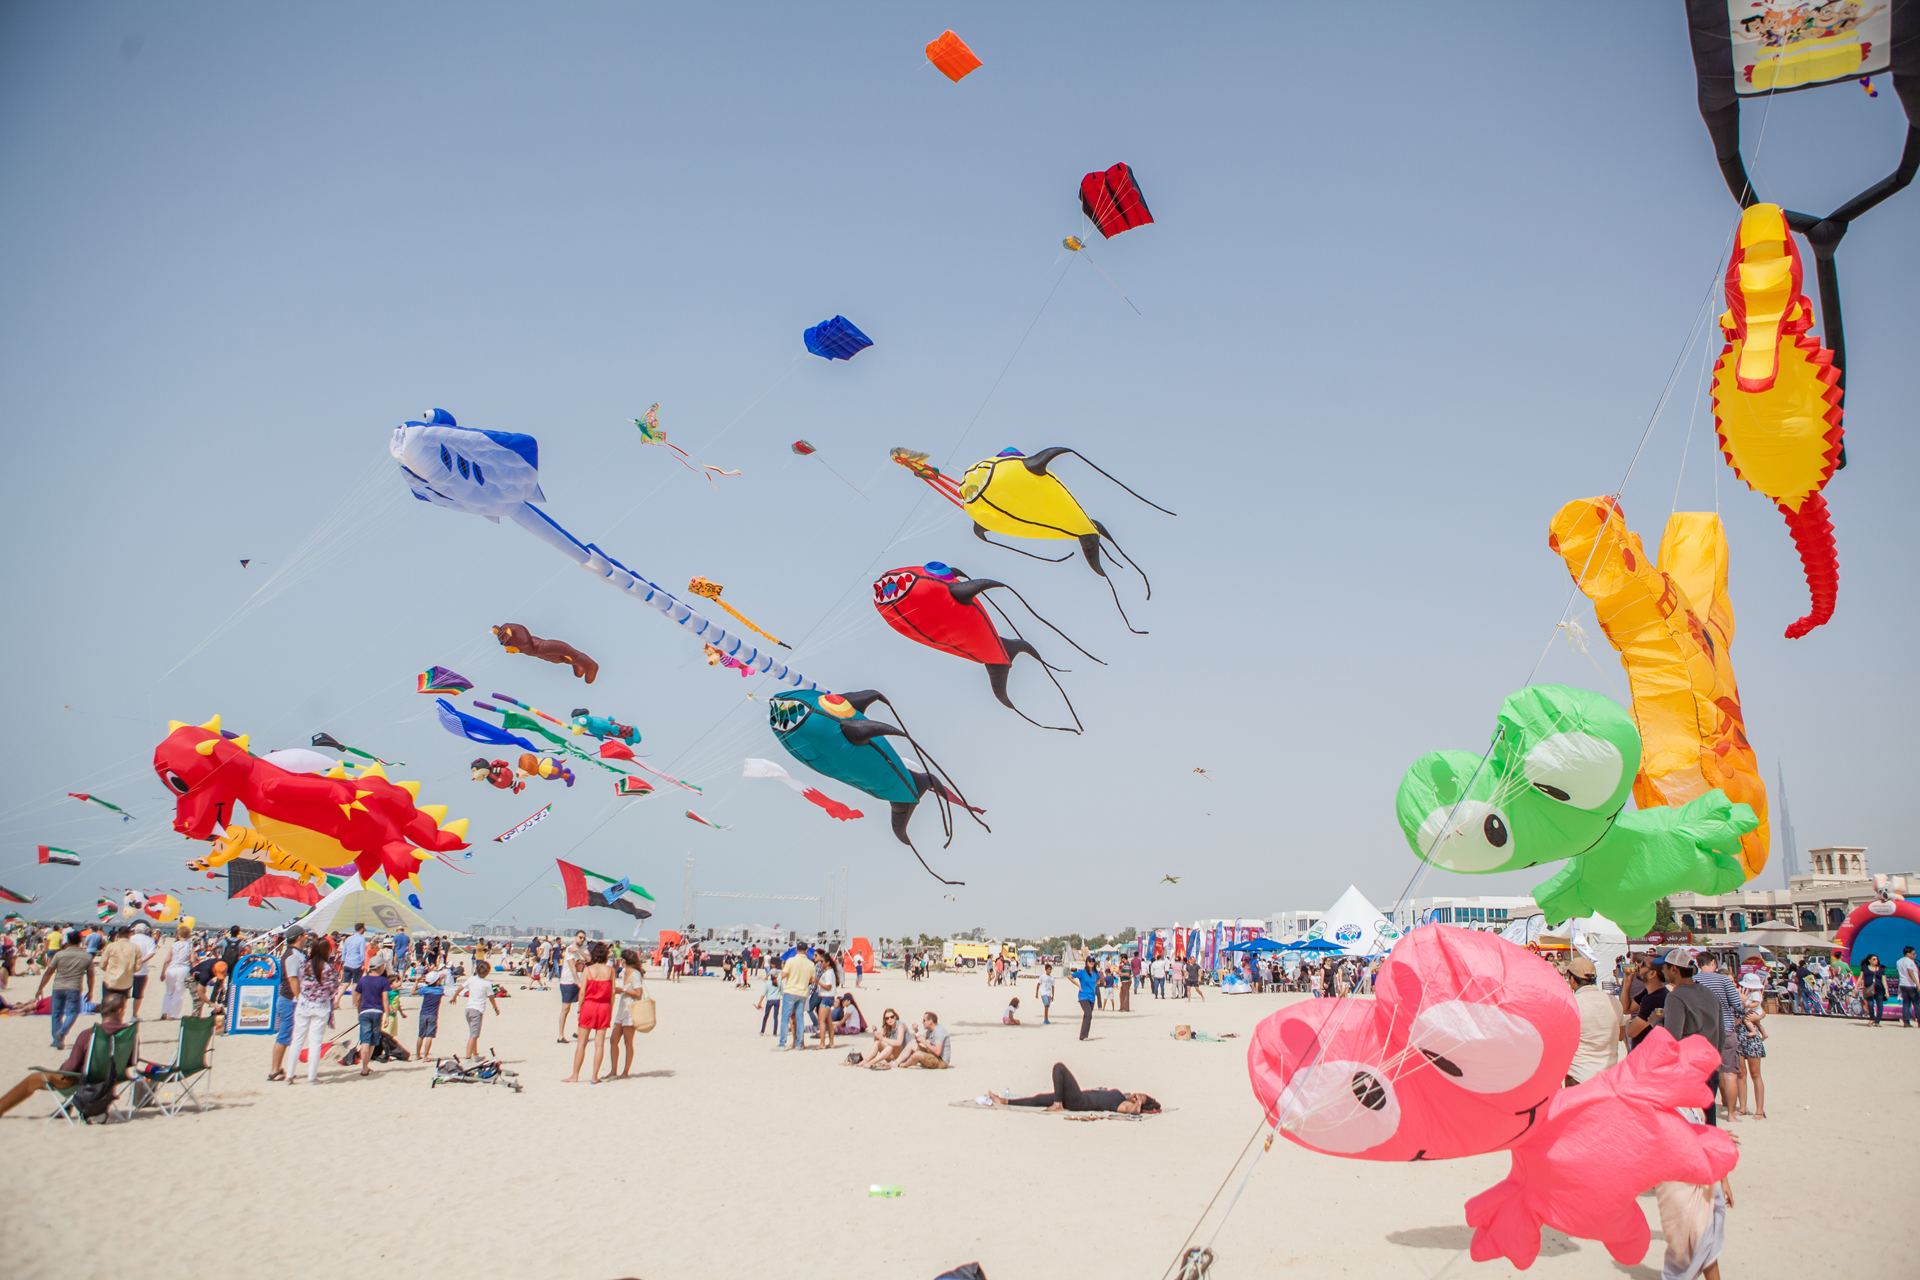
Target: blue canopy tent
1259, 946
1313, 946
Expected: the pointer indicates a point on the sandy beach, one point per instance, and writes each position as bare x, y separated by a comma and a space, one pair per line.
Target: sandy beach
723, 1157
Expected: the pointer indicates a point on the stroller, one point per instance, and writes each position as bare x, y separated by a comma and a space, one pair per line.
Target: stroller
482, 1071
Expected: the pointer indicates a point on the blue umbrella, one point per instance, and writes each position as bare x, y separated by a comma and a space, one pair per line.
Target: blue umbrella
1260, 945
1314, 946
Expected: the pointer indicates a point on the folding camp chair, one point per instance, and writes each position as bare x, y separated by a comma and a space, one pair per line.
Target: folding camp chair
98, 1070
126, 1042
188, 1071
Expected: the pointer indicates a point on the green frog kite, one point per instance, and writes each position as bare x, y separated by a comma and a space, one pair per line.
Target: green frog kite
1555, 786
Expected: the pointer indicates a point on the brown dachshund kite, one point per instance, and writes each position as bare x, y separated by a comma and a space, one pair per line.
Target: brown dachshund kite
515, 638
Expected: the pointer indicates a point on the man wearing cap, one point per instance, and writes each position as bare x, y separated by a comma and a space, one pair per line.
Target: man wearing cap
1599, 1024
144, 944
1691, 1010
1731, 1011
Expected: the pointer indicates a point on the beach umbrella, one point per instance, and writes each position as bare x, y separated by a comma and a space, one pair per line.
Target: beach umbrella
1264, 945
1312, 946
351, 904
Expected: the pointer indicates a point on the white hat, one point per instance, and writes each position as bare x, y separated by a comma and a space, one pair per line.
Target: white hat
1753, 982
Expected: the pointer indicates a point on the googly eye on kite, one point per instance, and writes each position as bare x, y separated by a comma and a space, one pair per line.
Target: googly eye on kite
1479, 1047
1579, 769
1472, 835
1340, 1106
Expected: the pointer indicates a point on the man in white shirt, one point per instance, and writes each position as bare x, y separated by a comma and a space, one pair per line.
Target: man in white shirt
1599, 1024
1909, 972
143, 942
1157, 975
478, 990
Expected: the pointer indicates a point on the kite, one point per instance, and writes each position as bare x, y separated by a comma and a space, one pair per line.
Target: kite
443, 680
515, 638
1014, 494
806, 450
332, 743
104, 909
254, 845
831, 734
252, 881
707, 822
1552, 786
609, 892
942, 608
1462, 1053
532, 766
162, 908
8, 895
950, 54
753, 768
1170, 879
497, 473
1782, 45
523, 826
1673, 626
601, 727
246, 562
1600, 1145
1112, 201
1203, 773
715, 658
81, 795
711, 590
462, 725
836, 339
496, 773
1776, 398
59, 857
628, 785
374, 821
651, 432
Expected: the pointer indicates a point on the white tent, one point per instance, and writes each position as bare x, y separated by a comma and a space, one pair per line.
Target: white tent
1356, 926
1599, 940
353, 903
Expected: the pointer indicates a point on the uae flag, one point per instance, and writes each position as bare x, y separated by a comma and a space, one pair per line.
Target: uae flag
591, 889
65, 857
8, 895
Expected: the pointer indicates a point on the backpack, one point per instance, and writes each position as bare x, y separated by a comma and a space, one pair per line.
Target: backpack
93, 1099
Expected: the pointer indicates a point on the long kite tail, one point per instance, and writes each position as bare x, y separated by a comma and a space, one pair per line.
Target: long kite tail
747, 622
1812, 532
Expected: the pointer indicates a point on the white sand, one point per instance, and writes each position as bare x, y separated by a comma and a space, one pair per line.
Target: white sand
723, 1158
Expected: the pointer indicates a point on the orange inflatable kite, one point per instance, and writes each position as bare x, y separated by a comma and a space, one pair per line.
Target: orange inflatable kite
1776, 398
1673, 626
949, 52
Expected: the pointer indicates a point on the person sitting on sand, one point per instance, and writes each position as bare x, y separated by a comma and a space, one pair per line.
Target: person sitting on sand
889, 1041
846, 1016
112, 1008
1067, 1095
1011, 1017
932, 1048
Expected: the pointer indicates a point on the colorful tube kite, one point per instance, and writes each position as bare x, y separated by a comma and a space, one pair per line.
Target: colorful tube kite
1673, 627
1776, 398
1112, 201
1554, 785
497, 473
831, 734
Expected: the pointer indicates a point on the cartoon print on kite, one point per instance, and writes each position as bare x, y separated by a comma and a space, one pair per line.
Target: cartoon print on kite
497, 773
1553, 786
375, 821
831, 734
1673, 626
515, 638
532, 766
1015, 494
1466, 1039
508, 486
1776, 398
836, 339
585, 722
942, 608
1112, 201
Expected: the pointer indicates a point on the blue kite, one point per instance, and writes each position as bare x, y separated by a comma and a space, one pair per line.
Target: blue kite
837, 339
462, 725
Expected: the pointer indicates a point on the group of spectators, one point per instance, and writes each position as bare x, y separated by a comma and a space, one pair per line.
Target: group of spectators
80, 968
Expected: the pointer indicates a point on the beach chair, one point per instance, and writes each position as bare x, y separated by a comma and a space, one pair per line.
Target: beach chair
126, 1042
188, 1071
97, 1071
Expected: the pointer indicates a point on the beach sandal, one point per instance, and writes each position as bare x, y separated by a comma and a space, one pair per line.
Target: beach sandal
278, 1075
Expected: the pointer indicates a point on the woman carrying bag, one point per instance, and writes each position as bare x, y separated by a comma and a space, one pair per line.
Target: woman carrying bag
632, 1011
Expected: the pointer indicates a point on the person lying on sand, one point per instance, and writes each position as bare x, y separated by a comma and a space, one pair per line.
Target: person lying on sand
1067, 1095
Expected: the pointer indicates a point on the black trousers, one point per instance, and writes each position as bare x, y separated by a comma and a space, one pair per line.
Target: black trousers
1086, 1019
1066, 1092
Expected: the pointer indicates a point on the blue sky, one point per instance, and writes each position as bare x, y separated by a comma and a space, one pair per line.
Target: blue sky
1413, 284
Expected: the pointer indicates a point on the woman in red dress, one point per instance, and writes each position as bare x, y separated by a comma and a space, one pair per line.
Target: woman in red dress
596, 1011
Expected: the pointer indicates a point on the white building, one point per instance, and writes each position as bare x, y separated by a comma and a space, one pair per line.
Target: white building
1482, 912
1291, 926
